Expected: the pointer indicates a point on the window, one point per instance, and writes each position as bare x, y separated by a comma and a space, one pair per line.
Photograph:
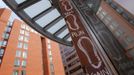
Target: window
126, 15
21, 38
5, 35
131, 52
23, 64
1, 42
24, 55
75, 69
107, 19
0, 61
71, 57
1, 52
25, 46
129, 39
9, 24
18, 53
4, 43
48, 41
119, 32
115, 24
76, 61
108, 1
32, 30
52, 68
50, 53
104, 13
20, 45
26, 33
119, 10
113, 5
23, 72
26, 39
50, 57
112, 27
17, 62
101, 16
27, 28
21, 31
23, 26
8, 29
15, 72
49, 46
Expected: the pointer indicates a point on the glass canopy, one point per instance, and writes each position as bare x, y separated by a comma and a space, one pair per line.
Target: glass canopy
43, 17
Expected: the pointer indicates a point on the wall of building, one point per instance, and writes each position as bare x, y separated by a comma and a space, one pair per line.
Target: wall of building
3, 27
10, 51
119, 26
26, 52
58, 60
4, 16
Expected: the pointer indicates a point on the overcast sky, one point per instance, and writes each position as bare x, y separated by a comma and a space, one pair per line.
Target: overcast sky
3, 5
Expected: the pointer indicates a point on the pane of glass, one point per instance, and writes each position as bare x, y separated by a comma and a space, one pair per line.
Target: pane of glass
26, 39
101, 16
4, 43
15, 72
48, 41
69, 39
1, 52
27, 33
113, 4
111, 27
57, 26
23, 26
23, 63
20, 45
65, 32
5, 35
24, 55
23, 72
1, 42
104, 13
25, 46
27, 28
49, 46
21, 31
37, 8
129, 39
8, 29
21, 38
0, 61
17, 62
19, 1
48, 18
18, 53
119, 9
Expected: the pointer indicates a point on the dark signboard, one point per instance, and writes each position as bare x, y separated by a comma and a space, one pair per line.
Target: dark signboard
85, 46
112, 47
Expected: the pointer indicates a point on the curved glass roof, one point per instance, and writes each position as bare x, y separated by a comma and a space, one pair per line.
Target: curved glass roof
43, 17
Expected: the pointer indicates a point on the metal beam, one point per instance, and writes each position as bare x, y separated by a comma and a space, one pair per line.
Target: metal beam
67, 36
26, 4
60, 31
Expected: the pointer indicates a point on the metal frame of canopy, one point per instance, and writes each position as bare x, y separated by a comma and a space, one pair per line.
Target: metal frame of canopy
18, 9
